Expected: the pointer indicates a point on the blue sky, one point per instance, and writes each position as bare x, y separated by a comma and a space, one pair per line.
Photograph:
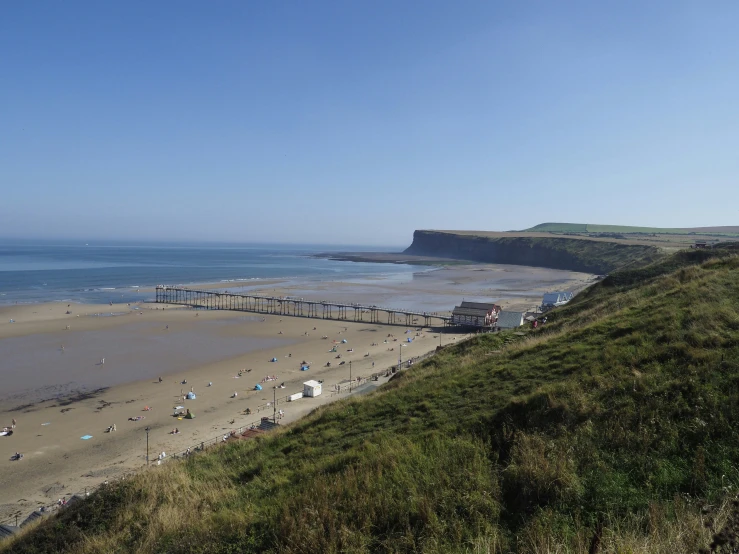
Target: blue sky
358, 122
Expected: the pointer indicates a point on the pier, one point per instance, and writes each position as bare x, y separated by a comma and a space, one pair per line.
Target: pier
298, 307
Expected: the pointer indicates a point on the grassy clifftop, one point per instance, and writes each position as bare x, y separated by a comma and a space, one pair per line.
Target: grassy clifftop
592, 256
609, 428
627, 229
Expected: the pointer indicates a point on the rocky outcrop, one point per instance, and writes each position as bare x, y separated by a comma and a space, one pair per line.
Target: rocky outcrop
557, 253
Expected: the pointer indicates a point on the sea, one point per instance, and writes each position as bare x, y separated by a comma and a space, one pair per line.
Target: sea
101, 272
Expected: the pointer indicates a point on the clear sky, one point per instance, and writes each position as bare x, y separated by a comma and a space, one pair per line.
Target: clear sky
360, 121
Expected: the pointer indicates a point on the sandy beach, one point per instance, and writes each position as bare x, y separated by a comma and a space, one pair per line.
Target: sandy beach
57, 388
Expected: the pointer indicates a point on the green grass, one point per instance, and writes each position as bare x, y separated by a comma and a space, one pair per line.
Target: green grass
591, 228
616, 420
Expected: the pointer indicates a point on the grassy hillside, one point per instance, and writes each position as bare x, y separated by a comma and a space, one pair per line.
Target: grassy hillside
611, 429
591, 228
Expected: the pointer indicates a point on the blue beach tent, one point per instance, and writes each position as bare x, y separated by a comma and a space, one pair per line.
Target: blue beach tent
258, 387
191, 396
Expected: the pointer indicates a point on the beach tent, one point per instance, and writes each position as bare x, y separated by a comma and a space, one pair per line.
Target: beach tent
257, 387
191, 396
273, 360
304, 367
344, 341
410, 339
190, 415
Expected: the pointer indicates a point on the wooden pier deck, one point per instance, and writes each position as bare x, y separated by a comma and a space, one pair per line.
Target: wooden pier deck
211, 300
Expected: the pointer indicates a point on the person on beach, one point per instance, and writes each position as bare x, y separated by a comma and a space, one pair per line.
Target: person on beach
13, 425
160, 379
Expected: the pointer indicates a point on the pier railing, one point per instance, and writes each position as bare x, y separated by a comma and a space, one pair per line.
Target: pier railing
298, 307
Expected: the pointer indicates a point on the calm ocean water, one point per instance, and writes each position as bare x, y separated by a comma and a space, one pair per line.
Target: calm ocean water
41, 272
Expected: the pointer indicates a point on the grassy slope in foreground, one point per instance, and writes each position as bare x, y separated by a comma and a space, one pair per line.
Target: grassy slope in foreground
617, 415
591, 228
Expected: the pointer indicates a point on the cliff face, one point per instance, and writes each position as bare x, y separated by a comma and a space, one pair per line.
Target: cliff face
555, 252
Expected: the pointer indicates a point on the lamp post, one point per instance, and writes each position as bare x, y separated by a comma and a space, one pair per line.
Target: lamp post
147, 443
350, 376
274, 404
400, 350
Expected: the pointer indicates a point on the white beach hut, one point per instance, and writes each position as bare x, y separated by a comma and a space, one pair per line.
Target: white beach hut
311, 388
510, 320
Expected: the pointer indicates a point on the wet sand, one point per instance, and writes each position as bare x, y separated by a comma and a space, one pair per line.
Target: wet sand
438, 289
59, 396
